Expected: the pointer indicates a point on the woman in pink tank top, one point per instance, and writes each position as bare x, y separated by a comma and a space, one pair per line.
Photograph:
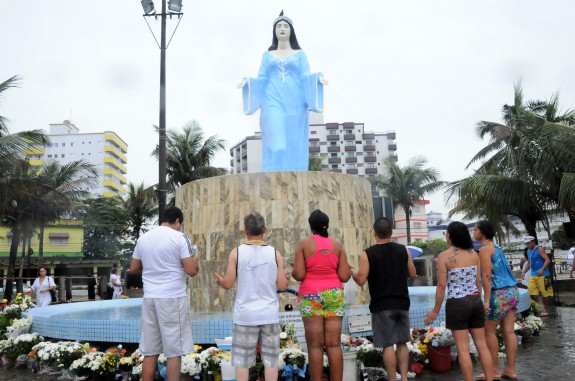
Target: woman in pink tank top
321, 265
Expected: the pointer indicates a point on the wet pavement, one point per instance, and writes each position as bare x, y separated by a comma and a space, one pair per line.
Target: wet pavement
550, 355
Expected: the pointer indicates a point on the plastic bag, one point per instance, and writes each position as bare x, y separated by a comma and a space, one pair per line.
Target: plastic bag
351, 292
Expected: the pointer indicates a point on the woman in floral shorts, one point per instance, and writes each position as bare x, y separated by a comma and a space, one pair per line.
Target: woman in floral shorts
501, 299
321, 265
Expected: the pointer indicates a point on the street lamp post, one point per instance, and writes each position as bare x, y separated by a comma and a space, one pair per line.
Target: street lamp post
174, 7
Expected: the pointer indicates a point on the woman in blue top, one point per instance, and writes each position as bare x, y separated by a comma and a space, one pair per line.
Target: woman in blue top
500, 300
284, 91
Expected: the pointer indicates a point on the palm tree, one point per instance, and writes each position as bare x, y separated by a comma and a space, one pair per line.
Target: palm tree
408, 184
189, 156
69, 183
141, 205
526, 165
315, 164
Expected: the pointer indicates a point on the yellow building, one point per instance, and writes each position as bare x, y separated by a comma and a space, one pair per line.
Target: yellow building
63, 238
105, 150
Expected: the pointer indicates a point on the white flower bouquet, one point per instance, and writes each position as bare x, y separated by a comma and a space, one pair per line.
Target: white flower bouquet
19, 327
88, 364
190, 364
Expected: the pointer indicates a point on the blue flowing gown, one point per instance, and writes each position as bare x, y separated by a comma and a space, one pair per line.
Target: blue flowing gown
284, 91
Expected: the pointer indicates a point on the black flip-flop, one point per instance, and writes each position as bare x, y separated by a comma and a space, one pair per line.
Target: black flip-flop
506, 377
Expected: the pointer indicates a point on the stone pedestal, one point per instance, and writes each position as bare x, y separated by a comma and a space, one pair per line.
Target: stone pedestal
214, 210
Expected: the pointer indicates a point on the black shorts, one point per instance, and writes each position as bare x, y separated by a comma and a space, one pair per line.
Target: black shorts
464, 313
390, 327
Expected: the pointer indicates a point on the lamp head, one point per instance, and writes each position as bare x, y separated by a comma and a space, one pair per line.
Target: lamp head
175, 6
148, 6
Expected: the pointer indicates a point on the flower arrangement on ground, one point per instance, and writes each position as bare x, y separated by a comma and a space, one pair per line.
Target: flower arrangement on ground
89, 364
19, 327
370, 356
288, 338
210, 360
111, 361
190, 364
59, 355
436, 336
293, 361
22, 345
350, 343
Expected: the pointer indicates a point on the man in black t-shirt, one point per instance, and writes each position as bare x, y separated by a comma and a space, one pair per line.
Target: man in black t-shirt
386, 266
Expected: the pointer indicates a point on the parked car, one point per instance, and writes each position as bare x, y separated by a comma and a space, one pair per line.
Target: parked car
27, 289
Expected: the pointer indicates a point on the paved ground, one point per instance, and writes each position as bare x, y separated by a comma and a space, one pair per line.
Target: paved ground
551, 355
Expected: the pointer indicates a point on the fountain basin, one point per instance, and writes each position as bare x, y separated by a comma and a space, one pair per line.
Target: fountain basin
118, 321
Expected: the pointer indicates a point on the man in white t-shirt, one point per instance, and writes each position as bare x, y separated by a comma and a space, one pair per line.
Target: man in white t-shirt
164, 256
259, 271
571, 259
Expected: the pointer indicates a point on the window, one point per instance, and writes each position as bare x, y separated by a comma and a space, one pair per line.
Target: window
349, 143
325, 167
334, 166
58, 241
369, 142
349, 131
359, 154
370, 154
313, 132
351, 165
351, 154
63, 155
332, 132
417, 225
334, 154
323, 154
49, 156
332, 143
360, 165
314, 144
322, 143
358, 142
63, 144
370, 165
56, 156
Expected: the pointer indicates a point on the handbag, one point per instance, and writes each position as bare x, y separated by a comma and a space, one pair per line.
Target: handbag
52, 292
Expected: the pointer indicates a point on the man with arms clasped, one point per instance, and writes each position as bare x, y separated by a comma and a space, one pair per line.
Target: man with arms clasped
540, 280
164, 256
259, 271
386, 266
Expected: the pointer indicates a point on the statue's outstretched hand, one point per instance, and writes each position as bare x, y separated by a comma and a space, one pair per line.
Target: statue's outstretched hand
242, 84
323, 81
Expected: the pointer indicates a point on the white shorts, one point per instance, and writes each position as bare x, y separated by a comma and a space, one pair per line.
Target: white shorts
166, 327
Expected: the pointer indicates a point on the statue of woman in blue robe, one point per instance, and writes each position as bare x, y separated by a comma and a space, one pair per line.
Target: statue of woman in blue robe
284, 91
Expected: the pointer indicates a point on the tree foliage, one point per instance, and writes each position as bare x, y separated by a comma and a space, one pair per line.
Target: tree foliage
408, 184
105, 228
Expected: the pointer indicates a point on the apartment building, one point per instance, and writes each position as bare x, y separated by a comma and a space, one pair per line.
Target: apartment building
105, 150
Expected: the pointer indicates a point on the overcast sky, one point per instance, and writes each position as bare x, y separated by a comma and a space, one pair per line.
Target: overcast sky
428, 69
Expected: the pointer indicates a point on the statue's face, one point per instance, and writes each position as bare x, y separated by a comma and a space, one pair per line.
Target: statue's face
283, 30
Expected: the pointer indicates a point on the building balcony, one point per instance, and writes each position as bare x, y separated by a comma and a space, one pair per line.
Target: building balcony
115, 163
351, 159
335, 170
393, 157
333, 149
314, 149
369, 159
314, 139
368, 136
392, 146
112, 150
351, 171
334, 160
232, 163
111, 184
391, 135
369, 148
349, 137
350, 148
116, 174
333, 137
371, 171
332, 126
115, 139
